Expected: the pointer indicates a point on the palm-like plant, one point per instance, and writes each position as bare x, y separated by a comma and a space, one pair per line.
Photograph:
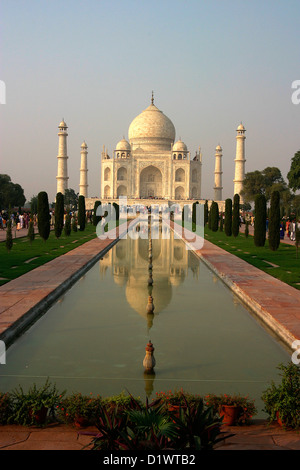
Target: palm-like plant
199, 428
151, 427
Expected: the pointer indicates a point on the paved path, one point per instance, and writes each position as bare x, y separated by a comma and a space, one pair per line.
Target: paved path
286, 239
16, 233
258, 436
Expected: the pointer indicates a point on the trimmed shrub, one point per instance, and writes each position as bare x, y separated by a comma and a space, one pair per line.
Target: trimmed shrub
228, 217
247, 229
214, 216
260, 220
117, 211
81, 213
274, 221
205, 212
221, 223
59, 214
9, 240
43, 215
31, 233
236, 215
96, 218
67, 227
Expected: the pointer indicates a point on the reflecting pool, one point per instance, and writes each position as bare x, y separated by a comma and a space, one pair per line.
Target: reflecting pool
93, 339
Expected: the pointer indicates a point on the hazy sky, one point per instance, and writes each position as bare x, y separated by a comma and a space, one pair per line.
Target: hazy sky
211, 64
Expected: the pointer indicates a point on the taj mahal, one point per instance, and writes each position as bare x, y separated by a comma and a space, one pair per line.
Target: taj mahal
150, 164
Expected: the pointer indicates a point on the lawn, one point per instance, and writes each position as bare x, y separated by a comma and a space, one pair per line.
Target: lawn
282, 263
25, 256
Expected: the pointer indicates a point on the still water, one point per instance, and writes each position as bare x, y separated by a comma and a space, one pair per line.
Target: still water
93, 339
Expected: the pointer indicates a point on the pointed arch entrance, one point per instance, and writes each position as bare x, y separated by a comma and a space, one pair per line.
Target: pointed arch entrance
150, 182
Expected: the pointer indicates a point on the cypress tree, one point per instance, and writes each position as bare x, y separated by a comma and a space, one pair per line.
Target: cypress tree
297, 239
9, 240
247, 229
274, 221
260, 220
205, 212
117, 211
194, 216
43, 215
96, 218
236, 215
228, 217
74, 224
59, 214
221, 223
81, 213
30, 233
67, 227
209, 216
214, 209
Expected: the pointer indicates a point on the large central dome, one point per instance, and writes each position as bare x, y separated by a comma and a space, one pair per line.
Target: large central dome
151, 130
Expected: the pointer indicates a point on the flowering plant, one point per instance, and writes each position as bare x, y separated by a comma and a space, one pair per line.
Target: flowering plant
6, 408
77, 406
178, 397
27, 404
246, 405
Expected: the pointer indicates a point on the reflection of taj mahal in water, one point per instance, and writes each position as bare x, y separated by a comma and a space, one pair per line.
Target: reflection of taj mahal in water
129, 268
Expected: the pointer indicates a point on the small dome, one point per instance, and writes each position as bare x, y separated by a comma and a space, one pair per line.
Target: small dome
179, 146
241, 127
83, 145
123, 145
218, 147
62, 124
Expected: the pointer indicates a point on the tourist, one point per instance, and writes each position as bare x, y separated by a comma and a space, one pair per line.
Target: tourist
281, 229
293, 230
287, 228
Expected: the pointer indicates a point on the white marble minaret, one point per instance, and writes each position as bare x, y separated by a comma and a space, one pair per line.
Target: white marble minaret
62, 167
239, 161
218, 174
83, 184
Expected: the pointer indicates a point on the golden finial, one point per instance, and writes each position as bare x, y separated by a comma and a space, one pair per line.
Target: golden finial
152, 99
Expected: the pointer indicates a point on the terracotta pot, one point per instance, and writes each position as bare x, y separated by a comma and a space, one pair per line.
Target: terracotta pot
230, 414
81, 422
279, 420
175, 409
40, 415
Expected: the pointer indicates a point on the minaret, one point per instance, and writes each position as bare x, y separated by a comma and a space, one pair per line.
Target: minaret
83, 171
218, 174
239, 161
62, 169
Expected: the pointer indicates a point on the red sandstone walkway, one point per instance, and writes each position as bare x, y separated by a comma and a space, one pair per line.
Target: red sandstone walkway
257, 436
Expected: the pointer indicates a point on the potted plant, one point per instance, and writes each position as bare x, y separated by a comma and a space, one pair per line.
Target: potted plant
32, 407
177, 399
234, 409
282, 401
80, 410
6, 408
